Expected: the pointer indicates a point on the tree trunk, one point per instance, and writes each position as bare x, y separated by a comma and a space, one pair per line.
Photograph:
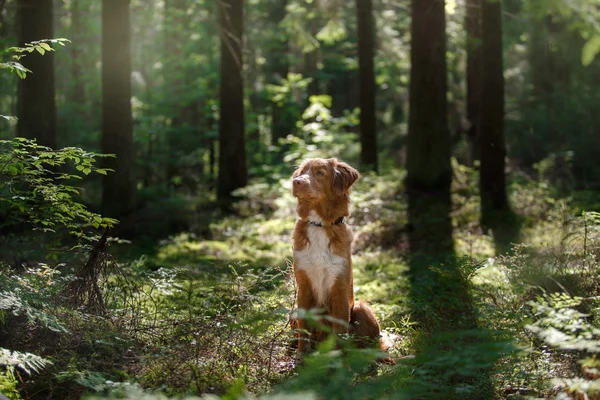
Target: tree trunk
78, 29
279, 66
175, 29
368, 122
311, 58
232, 148
117, 122
474, 71
36, 104
429, 173
4, 28
253, 111
492, 180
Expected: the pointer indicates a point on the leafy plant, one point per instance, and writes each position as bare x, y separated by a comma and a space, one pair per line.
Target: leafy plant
26, 361
322, 133
34, 190
560, 325
41, 46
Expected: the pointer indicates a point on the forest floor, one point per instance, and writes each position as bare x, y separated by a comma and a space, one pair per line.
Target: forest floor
246, 251
207, 311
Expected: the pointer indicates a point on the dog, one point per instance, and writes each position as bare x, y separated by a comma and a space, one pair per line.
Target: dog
322, 246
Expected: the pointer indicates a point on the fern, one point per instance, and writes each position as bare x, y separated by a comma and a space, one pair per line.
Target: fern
19, 299
561, 326
26, 361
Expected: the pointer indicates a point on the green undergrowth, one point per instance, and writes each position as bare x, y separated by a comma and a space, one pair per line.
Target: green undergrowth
206, 311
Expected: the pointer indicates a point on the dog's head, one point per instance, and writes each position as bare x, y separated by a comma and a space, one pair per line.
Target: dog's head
319, 180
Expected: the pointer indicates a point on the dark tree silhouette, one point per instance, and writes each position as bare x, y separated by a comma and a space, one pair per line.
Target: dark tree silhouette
3, 23
77, 52
117, 122
492, 180
181, 109
278, 69
232, 148
368, 122
474, 71
429, 173
36, 104
311, 58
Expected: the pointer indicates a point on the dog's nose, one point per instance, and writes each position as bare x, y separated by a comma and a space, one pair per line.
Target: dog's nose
301, 180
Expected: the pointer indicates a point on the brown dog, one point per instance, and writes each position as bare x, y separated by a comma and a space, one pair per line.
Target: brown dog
322, 251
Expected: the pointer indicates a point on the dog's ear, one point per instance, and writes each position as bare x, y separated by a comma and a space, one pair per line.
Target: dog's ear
344, 176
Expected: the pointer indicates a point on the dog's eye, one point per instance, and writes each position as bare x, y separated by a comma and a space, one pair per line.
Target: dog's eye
320, 173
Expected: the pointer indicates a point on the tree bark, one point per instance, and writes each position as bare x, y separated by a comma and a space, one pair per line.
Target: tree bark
4, 28
492, 180
117, 121
311, 58
429, 173
174, 75
474, 74
36, 103
279, 66
368, 122
232, 146
78, 29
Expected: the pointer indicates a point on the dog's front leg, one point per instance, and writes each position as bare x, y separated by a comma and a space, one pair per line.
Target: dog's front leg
342, 300
306, 301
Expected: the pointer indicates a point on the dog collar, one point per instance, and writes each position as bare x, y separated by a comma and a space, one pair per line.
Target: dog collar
340, 220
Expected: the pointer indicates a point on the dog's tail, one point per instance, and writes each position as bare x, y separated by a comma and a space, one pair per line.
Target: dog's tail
367, 331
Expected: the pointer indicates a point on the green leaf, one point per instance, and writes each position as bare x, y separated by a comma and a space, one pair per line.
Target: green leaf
333, 32
40, 50
46, 46
590, 49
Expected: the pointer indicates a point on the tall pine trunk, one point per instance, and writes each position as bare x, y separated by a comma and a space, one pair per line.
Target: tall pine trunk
368, 122
77, 53
492, 180
117, 122
474, 74
279, 66
429, 173
36, 103
311, 58
232, 145
174, 76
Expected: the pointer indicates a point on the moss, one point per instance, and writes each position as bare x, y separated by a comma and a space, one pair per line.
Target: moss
8, 384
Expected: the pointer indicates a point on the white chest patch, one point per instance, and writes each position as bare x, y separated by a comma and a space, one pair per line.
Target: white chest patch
320, 264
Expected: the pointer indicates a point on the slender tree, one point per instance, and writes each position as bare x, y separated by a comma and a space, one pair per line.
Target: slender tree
176, 27
311, 58
117, 122
492, 180
429, 173
366, 45
279, 67
474, 71
78, 30
3, 23
36, 104
232, 148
